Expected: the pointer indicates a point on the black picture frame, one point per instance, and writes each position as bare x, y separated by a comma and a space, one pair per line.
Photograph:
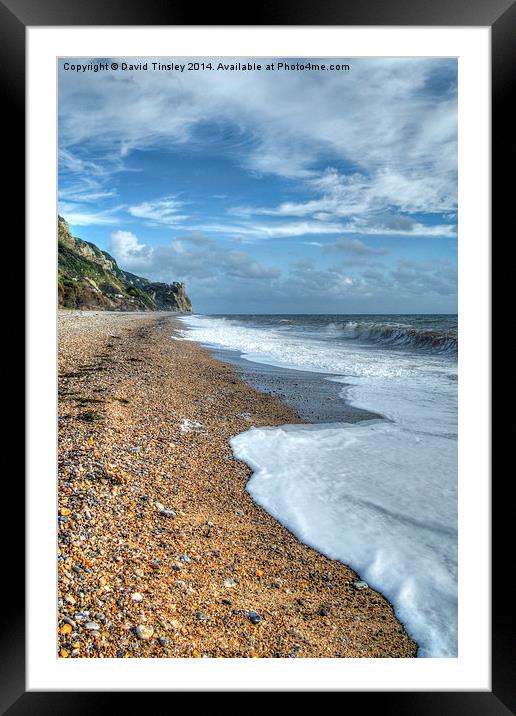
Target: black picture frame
500, 16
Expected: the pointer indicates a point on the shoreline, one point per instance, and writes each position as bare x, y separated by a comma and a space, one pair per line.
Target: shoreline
315, 397
144, 424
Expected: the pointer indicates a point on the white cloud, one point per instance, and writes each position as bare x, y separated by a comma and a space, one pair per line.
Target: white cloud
362, 201
161, 211
77, 216
127, 249
259, 230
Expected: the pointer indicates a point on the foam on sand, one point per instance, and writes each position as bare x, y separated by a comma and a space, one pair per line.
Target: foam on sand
363, 494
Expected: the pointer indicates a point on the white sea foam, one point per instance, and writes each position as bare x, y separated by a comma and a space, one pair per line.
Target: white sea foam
379, 496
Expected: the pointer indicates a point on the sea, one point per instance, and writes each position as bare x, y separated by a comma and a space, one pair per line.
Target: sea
378, 490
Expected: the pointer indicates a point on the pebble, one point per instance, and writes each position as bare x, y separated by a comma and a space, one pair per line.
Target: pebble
137, 597
255, 618
229, 583
168, 513
185, 558
159, 506
144, 632
360, 584
92, 626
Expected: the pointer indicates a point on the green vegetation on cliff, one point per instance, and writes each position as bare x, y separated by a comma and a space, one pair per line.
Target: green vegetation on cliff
89, 278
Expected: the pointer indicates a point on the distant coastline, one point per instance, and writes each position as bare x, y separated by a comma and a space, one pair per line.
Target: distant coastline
90, 279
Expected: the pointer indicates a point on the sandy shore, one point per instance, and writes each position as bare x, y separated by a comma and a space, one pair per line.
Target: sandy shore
162, 553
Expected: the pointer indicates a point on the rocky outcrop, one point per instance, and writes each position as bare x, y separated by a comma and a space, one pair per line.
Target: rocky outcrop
89, 278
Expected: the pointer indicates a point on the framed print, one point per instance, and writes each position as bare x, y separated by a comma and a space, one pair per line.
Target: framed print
258, 286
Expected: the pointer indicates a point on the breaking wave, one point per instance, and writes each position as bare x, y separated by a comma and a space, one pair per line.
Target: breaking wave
402, 336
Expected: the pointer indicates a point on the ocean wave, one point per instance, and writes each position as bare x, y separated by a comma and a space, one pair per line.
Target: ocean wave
400, 335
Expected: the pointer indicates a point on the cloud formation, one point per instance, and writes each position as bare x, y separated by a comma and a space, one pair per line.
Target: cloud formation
161, 211
190, 257
377, 138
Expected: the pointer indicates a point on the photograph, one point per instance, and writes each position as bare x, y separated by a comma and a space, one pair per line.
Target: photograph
257, 352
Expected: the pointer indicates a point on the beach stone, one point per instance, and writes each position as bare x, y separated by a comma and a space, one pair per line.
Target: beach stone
168, 513
360, 584
159, 506
137, 597
92, 626
185, 558
144, 632
255, 618
229, 583
239, 513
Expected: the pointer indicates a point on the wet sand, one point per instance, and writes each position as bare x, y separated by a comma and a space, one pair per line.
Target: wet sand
314, 397
162, 553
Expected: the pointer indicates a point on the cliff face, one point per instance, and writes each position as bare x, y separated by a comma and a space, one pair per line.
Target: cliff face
89, 278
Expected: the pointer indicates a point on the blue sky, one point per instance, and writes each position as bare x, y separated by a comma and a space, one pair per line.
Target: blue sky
267, 191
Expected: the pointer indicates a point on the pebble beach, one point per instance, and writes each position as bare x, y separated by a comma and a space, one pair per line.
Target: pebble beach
161, 551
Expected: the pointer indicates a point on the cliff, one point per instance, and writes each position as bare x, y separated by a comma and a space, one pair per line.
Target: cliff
89, 278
